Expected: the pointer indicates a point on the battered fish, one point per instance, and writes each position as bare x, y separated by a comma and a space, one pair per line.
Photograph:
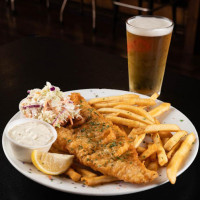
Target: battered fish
99, 144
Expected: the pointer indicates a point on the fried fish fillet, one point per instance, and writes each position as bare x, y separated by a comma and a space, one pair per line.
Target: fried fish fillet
99, 144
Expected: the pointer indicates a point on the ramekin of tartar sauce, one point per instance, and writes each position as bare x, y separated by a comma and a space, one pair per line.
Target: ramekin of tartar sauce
26, 135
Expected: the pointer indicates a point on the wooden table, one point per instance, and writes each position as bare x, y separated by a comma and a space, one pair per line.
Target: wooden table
30, 62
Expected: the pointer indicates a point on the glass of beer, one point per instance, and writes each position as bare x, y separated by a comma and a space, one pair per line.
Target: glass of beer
148, 41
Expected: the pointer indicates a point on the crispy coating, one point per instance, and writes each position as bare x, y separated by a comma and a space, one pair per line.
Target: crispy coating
87, 143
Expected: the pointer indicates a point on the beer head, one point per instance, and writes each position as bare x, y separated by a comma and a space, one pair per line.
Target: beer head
149, 26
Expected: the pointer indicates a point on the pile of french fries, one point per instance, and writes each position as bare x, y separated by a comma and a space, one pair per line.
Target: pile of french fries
78, 173
169, 145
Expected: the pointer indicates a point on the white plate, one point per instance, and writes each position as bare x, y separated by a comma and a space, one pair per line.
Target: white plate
118, 188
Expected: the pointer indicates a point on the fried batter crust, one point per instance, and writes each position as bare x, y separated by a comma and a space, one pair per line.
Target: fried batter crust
87, 143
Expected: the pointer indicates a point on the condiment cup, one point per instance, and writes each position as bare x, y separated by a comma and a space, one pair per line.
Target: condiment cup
23, 152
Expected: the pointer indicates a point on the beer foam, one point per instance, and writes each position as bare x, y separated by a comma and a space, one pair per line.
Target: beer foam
149, 26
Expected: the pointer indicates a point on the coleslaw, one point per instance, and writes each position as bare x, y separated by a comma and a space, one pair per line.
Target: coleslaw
50, 105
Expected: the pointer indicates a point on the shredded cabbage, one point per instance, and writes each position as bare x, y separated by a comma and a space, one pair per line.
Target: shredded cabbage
53, 106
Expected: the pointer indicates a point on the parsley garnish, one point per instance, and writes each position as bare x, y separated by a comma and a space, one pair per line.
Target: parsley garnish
90, 109
113, 144
80, 147
82, 130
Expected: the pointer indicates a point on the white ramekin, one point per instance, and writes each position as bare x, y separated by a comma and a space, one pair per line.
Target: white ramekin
23, 152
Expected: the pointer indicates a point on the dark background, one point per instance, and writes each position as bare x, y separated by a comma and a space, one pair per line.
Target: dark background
32, 17
28, 63
35, 48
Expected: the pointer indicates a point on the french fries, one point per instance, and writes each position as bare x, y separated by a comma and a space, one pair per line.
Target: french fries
173, 150
140, 149
154, 96
137, 131
160, 109
107, 104
73, 175
136, 110
147, 162
129, 99
138, 140
164, 140
153, 166
179, 156
126, 114
88, 177
162, 157
136, 121
92, 181
126, 122
153, 157
150, 150
174, 139
144, 102
161, 127
85, 172
165, 134
131, 112
112, 98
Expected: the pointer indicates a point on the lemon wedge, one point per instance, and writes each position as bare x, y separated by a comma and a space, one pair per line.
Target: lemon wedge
51, 163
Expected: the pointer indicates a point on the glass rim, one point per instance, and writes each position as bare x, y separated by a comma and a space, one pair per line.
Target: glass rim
155, 16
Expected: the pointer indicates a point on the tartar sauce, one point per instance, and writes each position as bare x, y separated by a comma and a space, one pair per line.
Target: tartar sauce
33, 134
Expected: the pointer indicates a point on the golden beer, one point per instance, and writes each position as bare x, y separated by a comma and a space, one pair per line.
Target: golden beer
148, 41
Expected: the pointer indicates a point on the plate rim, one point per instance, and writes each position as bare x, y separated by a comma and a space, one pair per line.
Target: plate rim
99, 194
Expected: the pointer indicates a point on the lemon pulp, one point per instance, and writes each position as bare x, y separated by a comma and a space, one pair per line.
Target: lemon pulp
51, 163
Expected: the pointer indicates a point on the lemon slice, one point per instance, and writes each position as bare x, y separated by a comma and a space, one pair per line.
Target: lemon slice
51, 163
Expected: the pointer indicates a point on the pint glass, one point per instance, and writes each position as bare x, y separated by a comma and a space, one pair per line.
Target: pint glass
148, 41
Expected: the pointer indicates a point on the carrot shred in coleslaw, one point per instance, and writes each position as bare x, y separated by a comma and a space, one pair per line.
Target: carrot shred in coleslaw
50, 105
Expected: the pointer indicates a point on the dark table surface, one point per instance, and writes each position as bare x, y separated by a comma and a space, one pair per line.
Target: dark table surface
29, 63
